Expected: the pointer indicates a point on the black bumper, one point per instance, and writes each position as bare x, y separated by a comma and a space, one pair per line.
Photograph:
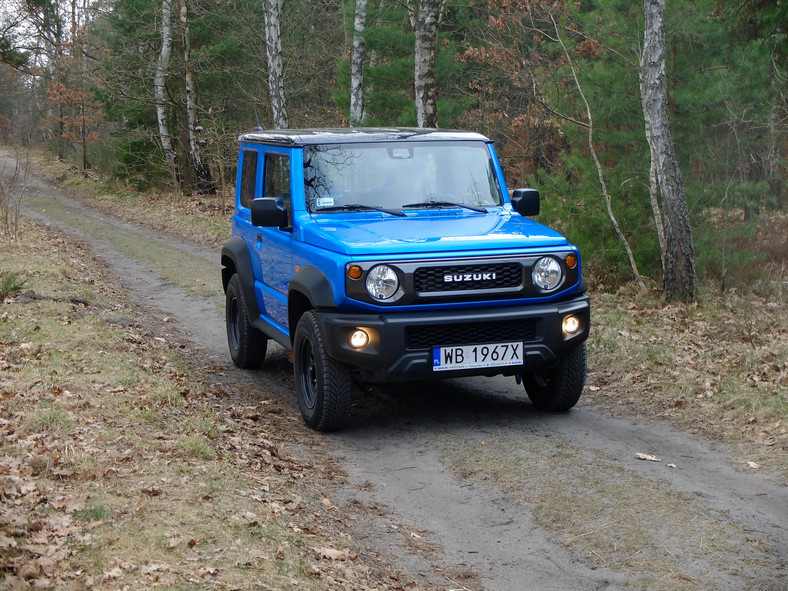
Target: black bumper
401, 344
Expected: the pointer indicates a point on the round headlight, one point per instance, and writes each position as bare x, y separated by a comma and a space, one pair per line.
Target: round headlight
382, 282
547, 273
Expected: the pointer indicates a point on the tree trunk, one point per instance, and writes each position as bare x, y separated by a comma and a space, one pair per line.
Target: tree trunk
679, 277
357, 64
159, 87
653, 185
425, 22
201, 174
272, 10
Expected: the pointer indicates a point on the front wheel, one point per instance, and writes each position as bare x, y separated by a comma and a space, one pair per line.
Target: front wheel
323, 384
558, 388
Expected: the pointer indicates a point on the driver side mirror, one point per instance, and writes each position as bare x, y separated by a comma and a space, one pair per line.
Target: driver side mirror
526, 202
269, 212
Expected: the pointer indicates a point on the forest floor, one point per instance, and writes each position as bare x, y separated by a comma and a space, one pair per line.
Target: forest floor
135, 456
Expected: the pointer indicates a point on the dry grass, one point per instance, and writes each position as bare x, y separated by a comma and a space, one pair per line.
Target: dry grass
204, 220
719, 366
611, 516
121, 466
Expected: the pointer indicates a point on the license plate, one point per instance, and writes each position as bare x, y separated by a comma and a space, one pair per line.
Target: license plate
477, 356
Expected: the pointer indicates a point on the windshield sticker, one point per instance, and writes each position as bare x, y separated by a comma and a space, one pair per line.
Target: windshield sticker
325, 201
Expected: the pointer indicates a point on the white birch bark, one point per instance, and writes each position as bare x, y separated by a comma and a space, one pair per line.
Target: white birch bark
272, 11
653, 186
679, 277
425, 21
357, 64
201, 174
159, 84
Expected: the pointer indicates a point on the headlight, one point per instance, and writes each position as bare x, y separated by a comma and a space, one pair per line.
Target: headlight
547, 273
382, 282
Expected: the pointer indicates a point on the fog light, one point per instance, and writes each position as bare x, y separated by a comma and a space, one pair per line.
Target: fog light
359, 339
571, 325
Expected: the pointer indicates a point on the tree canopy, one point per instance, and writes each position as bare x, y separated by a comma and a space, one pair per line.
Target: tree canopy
90, 82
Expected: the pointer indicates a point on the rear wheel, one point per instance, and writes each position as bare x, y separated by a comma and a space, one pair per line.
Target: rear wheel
323, 385
247, 344
558, 388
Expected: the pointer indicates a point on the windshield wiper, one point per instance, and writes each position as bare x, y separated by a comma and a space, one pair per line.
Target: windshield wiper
446, 204
360, 207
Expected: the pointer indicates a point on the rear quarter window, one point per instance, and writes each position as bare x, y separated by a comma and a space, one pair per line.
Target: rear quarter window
248, 177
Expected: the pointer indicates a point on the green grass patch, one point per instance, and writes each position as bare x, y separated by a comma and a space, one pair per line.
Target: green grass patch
11, 284
184, 270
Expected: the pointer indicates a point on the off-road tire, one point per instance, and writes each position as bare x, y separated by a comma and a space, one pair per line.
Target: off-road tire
323, 385
559, 388
247, 344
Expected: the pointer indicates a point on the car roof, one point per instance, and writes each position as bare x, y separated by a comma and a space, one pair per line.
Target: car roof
302, 137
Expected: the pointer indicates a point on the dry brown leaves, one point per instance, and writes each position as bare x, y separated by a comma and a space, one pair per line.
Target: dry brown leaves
720, 366
87, 462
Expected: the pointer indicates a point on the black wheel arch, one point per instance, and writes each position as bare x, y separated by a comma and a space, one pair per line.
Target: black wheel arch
309, 289
237, 260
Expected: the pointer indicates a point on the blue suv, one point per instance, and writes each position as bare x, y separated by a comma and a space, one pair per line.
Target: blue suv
397, 254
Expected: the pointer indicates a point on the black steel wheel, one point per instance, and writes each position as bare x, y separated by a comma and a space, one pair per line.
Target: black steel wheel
323, 385
247, 344
558, 388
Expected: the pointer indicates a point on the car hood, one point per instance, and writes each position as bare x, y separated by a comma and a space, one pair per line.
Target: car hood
434, 232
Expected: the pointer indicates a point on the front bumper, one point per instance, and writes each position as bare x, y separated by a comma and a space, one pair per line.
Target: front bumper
401, 345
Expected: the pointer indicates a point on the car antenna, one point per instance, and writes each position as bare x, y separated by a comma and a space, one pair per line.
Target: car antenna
256, 119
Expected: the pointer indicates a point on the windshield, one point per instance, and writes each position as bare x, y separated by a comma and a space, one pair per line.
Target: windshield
393, 175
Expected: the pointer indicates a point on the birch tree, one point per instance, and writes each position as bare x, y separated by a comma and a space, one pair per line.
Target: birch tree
357, 64
679, 273
159, 89
425, 15
199, 176
272, 11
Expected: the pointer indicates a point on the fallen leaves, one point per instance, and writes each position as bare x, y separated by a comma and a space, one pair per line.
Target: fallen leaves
34, 547
717, 367
96, 491
152, 491
333, 554
647, 457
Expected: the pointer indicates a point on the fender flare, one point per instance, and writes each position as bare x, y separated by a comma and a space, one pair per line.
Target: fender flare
313, 283
236, 259
309, 289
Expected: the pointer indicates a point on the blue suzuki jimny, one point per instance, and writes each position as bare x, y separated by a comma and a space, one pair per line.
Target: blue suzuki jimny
397, 254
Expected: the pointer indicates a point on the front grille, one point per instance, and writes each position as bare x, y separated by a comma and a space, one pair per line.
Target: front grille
467, 277
444, 335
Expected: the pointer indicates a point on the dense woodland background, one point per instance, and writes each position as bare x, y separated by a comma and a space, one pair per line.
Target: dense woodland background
97, 82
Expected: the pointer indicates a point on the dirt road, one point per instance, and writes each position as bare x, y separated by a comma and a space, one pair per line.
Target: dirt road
466, 485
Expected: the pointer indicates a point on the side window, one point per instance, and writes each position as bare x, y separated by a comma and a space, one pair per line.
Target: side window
248, 177
277, 179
